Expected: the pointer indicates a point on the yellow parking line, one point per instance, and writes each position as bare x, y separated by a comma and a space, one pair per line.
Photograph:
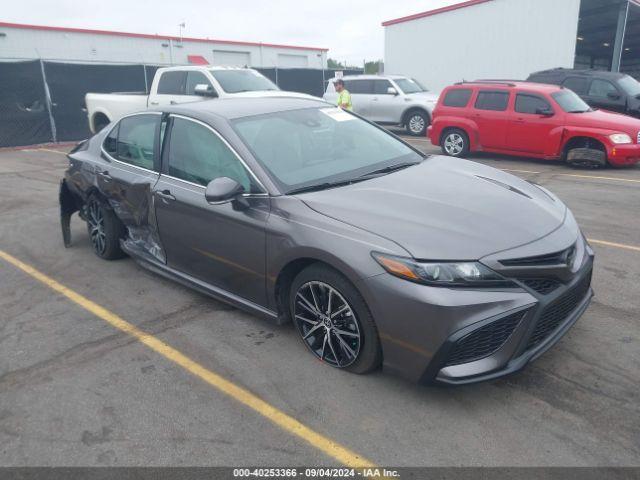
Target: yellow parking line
601, 178
615, 245
43, 150
595, 177
518, 171
243, 396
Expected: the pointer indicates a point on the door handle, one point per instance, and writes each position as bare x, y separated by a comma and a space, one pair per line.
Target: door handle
166, 196
375, 99
155, 103
105, 176
173, 102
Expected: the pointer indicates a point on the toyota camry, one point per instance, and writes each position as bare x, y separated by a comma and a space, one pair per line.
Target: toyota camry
439, 269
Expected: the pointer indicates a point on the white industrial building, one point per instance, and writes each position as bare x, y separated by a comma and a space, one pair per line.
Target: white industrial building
18, 41
510, 39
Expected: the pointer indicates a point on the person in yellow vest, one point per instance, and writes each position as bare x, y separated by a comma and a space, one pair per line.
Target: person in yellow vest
344, 97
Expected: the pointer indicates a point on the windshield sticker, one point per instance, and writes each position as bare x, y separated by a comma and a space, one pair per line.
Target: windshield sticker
337, 114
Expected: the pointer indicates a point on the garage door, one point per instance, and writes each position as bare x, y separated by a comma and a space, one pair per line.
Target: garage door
231, 59
287, 60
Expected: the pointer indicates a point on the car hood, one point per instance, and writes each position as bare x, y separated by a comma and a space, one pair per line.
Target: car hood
445, 209
426, 97
608, 121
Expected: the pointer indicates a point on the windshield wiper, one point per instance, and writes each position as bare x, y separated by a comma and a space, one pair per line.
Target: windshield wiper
389, 169
324, 186
580, 111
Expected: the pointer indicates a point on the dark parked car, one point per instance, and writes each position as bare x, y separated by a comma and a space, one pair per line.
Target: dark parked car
616, 92
295, 210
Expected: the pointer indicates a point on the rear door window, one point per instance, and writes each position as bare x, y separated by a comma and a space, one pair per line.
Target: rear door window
532, 104
110, 144
364, 87
172, 83
136, 140
492, 100
577, 84
458, 97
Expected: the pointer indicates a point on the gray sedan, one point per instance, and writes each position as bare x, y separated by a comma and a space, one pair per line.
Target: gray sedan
437, 268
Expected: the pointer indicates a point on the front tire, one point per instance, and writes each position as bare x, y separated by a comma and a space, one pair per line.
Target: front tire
455, 143
334, 320
416, 123
105, 229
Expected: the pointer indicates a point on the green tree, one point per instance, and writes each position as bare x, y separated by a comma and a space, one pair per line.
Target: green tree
334, 64
373, 68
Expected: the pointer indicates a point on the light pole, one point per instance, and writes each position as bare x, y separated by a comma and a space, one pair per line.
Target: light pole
180, 27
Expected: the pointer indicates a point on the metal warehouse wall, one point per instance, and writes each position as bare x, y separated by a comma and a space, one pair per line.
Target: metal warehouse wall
497, 39
26, 43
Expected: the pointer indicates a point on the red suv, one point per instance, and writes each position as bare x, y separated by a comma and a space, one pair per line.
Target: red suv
532, 120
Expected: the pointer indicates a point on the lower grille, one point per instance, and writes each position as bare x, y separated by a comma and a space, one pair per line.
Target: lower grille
544, 286
558, 312
484, 341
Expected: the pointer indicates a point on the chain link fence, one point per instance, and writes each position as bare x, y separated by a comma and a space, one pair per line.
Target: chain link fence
42, 101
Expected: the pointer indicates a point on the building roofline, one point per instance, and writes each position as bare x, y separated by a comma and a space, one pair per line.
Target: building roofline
155, 37
437, 11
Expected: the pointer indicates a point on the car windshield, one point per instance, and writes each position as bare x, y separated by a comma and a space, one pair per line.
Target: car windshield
570, 102
630, 85
410, 85
236, 81
319, 147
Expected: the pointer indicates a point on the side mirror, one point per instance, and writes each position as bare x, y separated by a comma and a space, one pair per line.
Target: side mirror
223, 189
204, 90
613, 96
392, 91
547, 112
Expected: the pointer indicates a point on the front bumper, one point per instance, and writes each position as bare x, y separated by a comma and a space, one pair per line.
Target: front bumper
626, 154
422, 328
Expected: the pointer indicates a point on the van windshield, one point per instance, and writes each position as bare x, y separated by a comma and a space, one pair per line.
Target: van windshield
570, 102
630, 85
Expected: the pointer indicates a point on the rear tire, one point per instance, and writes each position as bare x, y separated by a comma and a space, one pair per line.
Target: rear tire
340, 331
455, 143
105, 229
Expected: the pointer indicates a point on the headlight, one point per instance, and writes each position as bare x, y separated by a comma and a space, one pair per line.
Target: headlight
442, 274
619, 138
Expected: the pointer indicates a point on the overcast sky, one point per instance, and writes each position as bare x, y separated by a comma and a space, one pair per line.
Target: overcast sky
350, 28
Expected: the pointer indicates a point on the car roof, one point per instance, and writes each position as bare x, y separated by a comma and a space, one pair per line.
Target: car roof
518, 84
565, 72
234, 108
371, 77
202, 67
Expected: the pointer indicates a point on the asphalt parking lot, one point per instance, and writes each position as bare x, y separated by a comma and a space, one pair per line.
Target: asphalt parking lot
75, 391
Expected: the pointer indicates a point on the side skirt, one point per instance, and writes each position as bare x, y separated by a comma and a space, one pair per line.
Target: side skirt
217, 293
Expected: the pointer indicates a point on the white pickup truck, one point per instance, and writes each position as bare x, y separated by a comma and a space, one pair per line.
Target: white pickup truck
175, 85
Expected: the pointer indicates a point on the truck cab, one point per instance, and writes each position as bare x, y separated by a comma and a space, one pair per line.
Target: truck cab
174, 85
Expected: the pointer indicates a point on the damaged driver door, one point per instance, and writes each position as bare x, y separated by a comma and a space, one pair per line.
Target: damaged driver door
128, 177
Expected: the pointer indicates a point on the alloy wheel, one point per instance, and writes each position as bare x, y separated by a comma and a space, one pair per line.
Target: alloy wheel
416, 124
327, 323
454, 144
95, 219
